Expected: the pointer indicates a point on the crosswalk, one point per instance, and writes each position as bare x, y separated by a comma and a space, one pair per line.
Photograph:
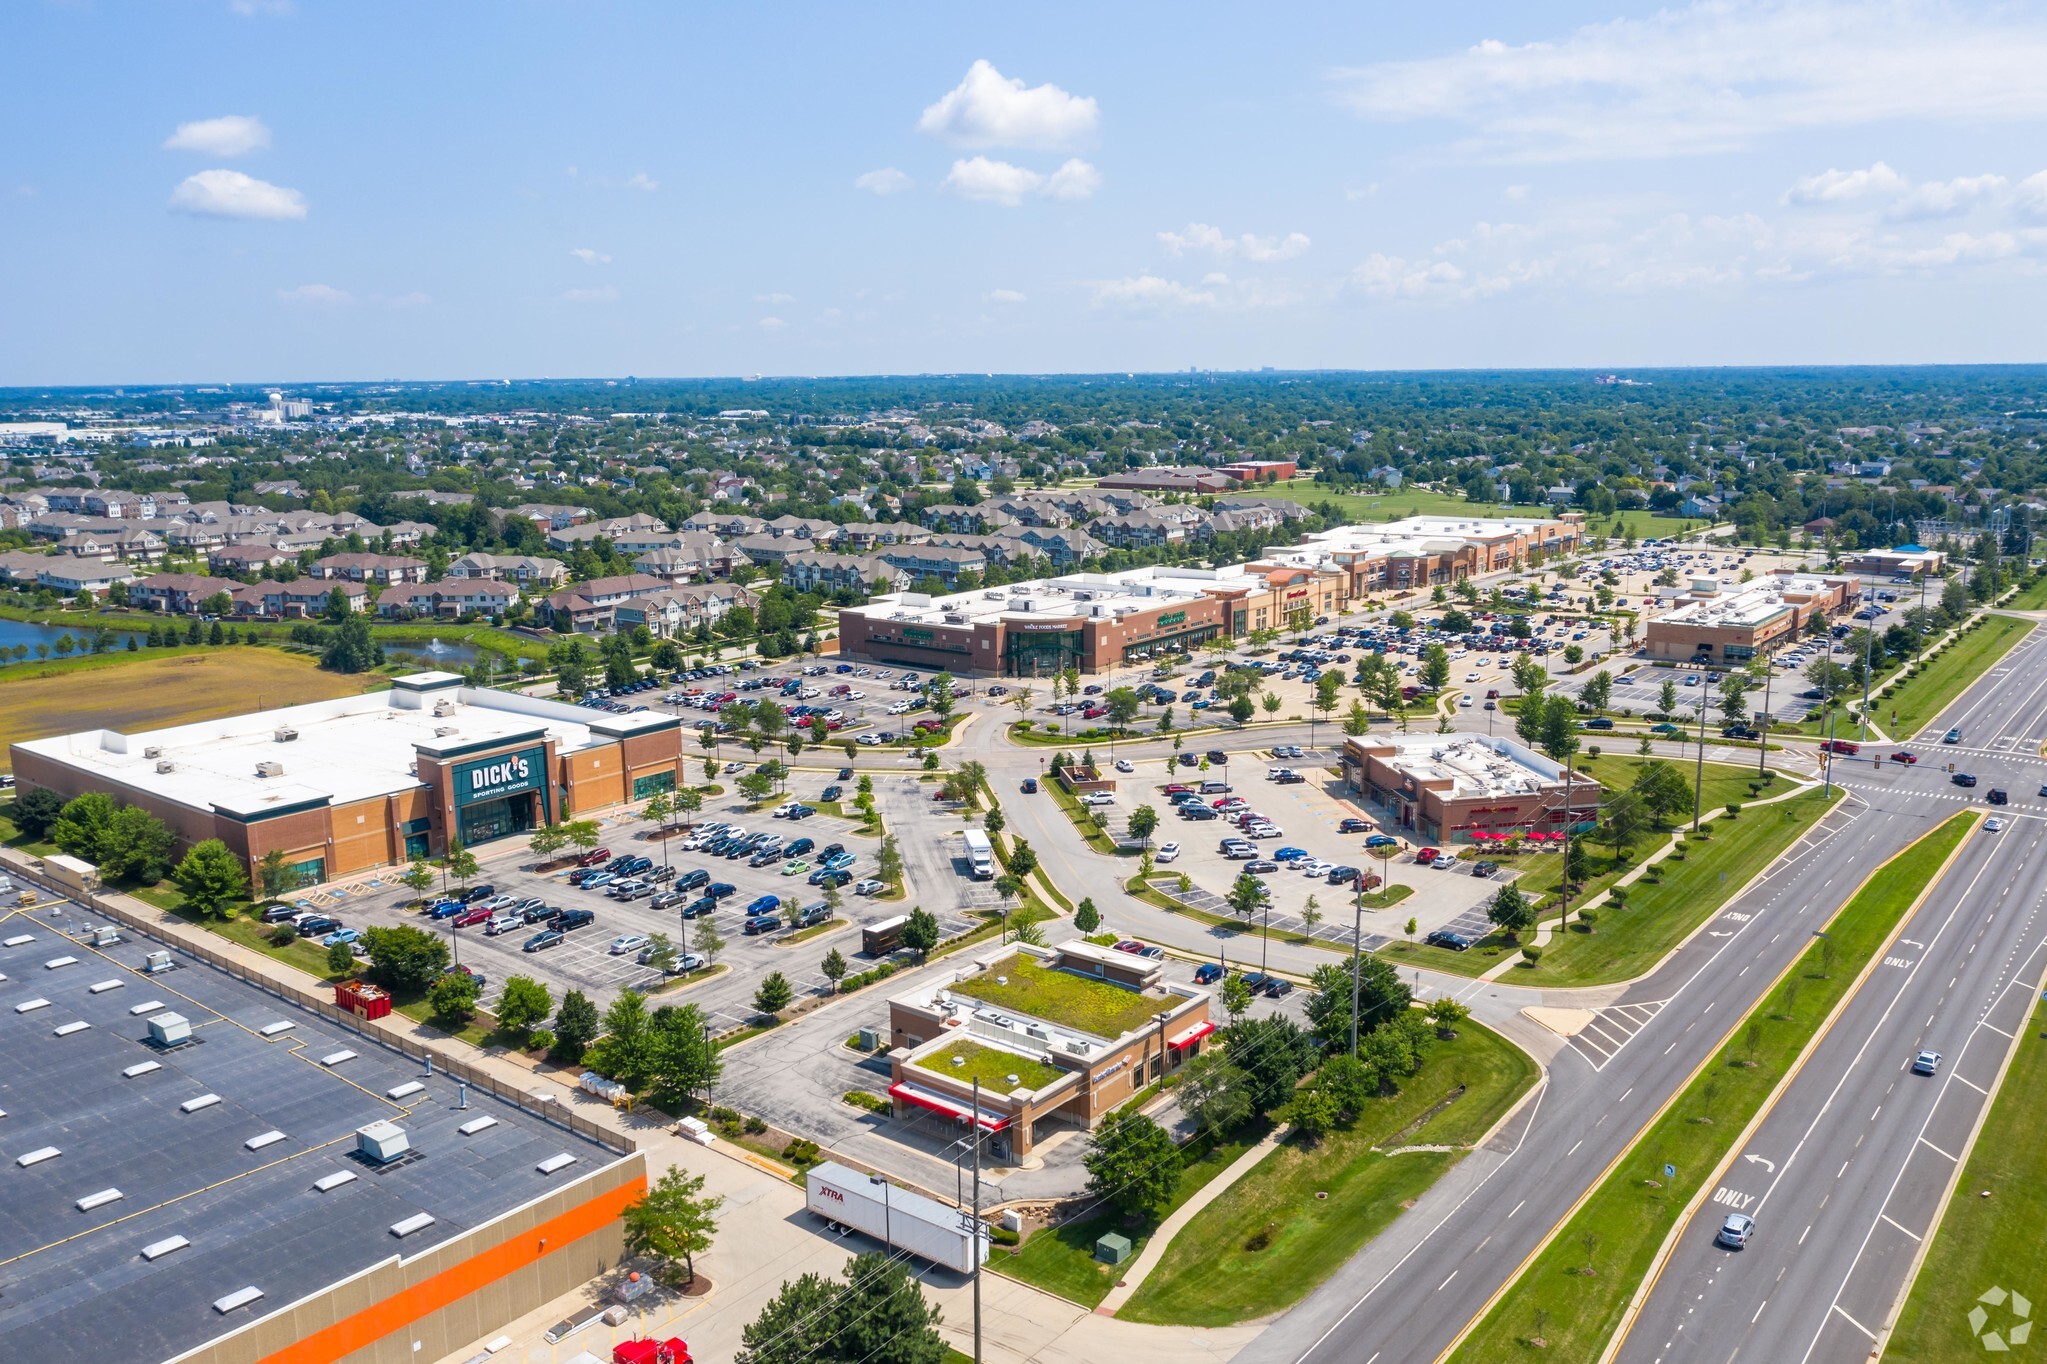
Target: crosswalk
1612, 1028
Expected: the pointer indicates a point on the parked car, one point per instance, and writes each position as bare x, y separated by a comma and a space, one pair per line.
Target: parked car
277, 914
627, 942
474, 915
594, 856
340, 936
312, 925
1353, 826
567, 919
1208, 973
761, 923
1443, 937
1168, 852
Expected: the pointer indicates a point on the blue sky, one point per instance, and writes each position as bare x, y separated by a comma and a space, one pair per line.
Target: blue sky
257, 191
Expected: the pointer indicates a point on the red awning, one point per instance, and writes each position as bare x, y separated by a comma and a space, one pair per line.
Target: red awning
1191, 1036
939, 1103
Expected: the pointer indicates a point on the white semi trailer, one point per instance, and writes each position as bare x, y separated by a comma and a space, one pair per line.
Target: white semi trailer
896, 1217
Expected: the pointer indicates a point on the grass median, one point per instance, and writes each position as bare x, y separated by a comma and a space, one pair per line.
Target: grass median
1295, 1217
1573, 1292
1918, 700
1983, 1242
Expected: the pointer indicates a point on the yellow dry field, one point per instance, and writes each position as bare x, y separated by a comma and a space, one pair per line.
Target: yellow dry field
153, 693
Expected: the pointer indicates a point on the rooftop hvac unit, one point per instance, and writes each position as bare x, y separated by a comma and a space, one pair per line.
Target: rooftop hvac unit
269, 769
168, 1029
166, 765
443, 731
285, 734
153, 751
443, 708
383, 1141
157, 961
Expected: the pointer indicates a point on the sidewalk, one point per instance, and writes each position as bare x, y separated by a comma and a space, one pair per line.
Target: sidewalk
1155, 1249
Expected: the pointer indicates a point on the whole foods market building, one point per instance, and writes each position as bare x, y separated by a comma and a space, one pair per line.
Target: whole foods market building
365, 781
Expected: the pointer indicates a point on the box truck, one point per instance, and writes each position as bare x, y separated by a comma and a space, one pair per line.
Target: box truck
880, 939
981, 853
896, 1217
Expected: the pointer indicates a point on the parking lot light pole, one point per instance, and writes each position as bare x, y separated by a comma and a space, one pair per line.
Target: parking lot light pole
1357, 938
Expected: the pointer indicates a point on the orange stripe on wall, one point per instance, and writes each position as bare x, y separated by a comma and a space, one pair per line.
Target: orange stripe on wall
372, 1324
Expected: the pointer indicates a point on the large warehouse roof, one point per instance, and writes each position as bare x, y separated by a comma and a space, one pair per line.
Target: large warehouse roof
181, 1175
349, 748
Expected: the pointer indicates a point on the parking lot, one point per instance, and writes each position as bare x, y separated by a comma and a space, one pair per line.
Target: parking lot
1307, 814
583, 961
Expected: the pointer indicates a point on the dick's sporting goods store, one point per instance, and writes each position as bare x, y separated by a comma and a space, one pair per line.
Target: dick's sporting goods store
357, 782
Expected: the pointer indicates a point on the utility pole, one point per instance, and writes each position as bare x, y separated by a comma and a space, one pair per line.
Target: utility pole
1833, 714
1699, 776
1357, 937
1763, 728
975, 1124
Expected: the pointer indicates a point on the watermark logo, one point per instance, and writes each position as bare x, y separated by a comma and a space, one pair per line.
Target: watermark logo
2016, 1326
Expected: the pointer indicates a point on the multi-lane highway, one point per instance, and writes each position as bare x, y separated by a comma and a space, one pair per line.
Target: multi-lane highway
1411, 1293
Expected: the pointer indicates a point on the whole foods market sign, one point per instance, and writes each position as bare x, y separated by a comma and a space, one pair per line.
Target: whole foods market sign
1171, 618
505, 775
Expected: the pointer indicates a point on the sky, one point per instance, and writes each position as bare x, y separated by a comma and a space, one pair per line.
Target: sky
275, 190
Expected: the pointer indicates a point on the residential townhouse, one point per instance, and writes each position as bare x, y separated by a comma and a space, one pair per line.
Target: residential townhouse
1145, 528
383, 569
862, 535
304, 598
678, 609
1169, 479
730, 525
962, 520
236, 560
1003, 548
524, 569
825, 572
821, 533
619, 530
551, 515
691, 555
176, 593
132, 545
935, 561
72, 576
449, 597
588, 608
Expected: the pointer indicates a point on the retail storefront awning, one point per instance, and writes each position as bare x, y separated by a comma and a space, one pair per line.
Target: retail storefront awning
1190, 1037
939, 1103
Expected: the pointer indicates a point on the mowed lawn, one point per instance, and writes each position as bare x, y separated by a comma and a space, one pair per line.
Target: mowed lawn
1421, 502
1986, 1242
152, 693
1919, 700
1269, 1239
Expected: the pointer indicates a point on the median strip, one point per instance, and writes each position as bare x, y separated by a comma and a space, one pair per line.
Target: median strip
1574, 1289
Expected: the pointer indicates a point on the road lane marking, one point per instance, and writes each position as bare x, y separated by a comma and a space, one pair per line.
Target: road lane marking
1935, 1149
1901, 1227
1853, 1322
1446, 1283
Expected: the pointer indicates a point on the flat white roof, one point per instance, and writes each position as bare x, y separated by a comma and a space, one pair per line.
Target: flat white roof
350, 748
1749, 604
1077, 594
1475, 765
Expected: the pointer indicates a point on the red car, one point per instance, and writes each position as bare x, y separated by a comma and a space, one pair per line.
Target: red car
472, 916
1428, 855
1904, 756
1841, 746
593, 857
1179, 788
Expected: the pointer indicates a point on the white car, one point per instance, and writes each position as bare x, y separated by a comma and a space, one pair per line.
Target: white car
1168, 852
899, 708
1098, 798
1471, 677
1314, 866
503, 923
1263, 830
1992, 825
627, 942
869, 887
868, 740
1124, 765
1464, 703
856, 696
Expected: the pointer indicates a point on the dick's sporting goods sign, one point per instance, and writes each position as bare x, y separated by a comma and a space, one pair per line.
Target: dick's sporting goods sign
505, 775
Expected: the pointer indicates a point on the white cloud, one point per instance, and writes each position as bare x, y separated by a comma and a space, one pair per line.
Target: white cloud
988, 109
415, 299
774, 299
1004, 296
991, 182
588, 256
642, 180
320, 294
1203, 237
771, 324
1945, 199
1516, 192
229, 135
1150, 291
1214, 277
231, 194
1395, 277
2031, 197
1716, 76
1838, 186
1075, 179
602, 294
887, 180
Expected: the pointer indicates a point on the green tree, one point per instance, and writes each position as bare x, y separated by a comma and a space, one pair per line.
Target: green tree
1274, 1052
625, 1052
1666, 696
880, 1317
940, 695
1664, 790
1215, 1093
1380, 995
672, 1221
1598, 691
36, 811
453, 997
1625, 818
1246, 894
1358, 720
1023, 859
1144, 822
1435, 672
756, 787
418, 878
403, 958
1124, 706
833, 968
81, 826
136, 847
1086, 918
706, 941
459, 863
774, 994
575, 1026
1132, 1165
1510, 911
211, 877
1242, 708
350, 649
681, 1058
276, 877
1236, 996
340, 959
920, 934
523, 1004
547, 841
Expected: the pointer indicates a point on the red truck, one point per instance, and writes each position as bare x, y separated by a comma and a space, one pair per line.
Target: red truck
669, 1351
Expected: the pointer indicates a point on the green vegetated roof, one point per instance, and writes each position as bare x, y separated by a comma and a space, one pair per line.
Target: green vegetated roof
1061, 997
991, 1066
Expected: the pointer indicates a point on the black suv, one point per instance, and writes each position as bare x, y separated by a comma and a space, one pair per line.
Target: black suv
571, 918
